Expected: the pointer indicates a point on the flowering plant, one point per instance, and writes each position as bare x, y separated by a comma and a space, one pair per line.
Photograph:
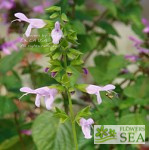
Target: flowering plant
69, 71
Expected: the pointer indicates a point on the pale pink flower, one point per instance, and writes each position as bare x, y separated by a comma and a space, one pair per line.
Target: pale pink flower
33, 23
45, 92
93, 89
132, 58
10, 46
146, 23
40, 8
56, 33
143, 50
86, 127
136, 41
7, 4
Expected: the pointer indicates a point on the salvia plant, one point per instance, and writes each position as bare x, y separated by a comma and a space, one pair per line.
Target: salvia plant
84, 79
65, 60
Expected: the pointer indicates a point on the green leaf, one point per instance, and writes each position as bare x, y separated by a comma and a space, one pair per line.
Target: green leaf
83, 113
73, 53
88, 42
53, 47
79, 27
49, 134
110, 5
135, 119
77, 62
56, 69
139, 89
7, 129
14, 143
60, 114
53, 8
56, 55
108, 28
8, 62
42, 79
81, 87
64, 17
12, 82
107, 69
7, 106
55, 15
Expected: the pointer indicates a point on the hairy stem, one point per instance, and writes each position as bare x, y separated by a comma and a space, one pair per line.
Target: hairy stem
72, 118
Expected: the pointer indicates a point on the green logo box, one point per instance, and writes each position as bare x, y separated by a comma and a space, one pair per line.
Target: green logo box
119, 134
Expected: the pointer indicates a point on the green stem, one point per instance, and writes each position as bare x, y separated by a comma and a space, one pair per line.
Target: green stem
72, 122
72, 117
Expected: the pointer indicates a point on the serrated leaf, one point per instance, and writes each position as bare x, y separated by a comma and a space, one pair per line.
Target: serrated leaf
49, 134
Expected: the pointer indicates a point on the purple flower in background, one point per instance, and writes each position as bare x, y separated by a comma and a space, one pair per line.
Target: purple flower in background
137, 42
26, 132
86, 127
7, 4
146, 23
40, 8
9, 46
85, 70
45, 92
131, 58
143, 50
93, 89
56, 33
24, 2
33, 23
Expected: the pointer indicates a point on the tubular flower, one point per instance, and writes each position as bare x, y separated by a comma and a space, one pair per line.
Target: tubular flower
93, 89
45, 92
33, 23
56, 33
86, 127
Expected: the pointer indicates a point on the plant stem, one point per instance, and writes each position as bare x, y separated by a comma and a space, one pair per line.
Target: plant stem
18, 130
72, 118
72, 121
